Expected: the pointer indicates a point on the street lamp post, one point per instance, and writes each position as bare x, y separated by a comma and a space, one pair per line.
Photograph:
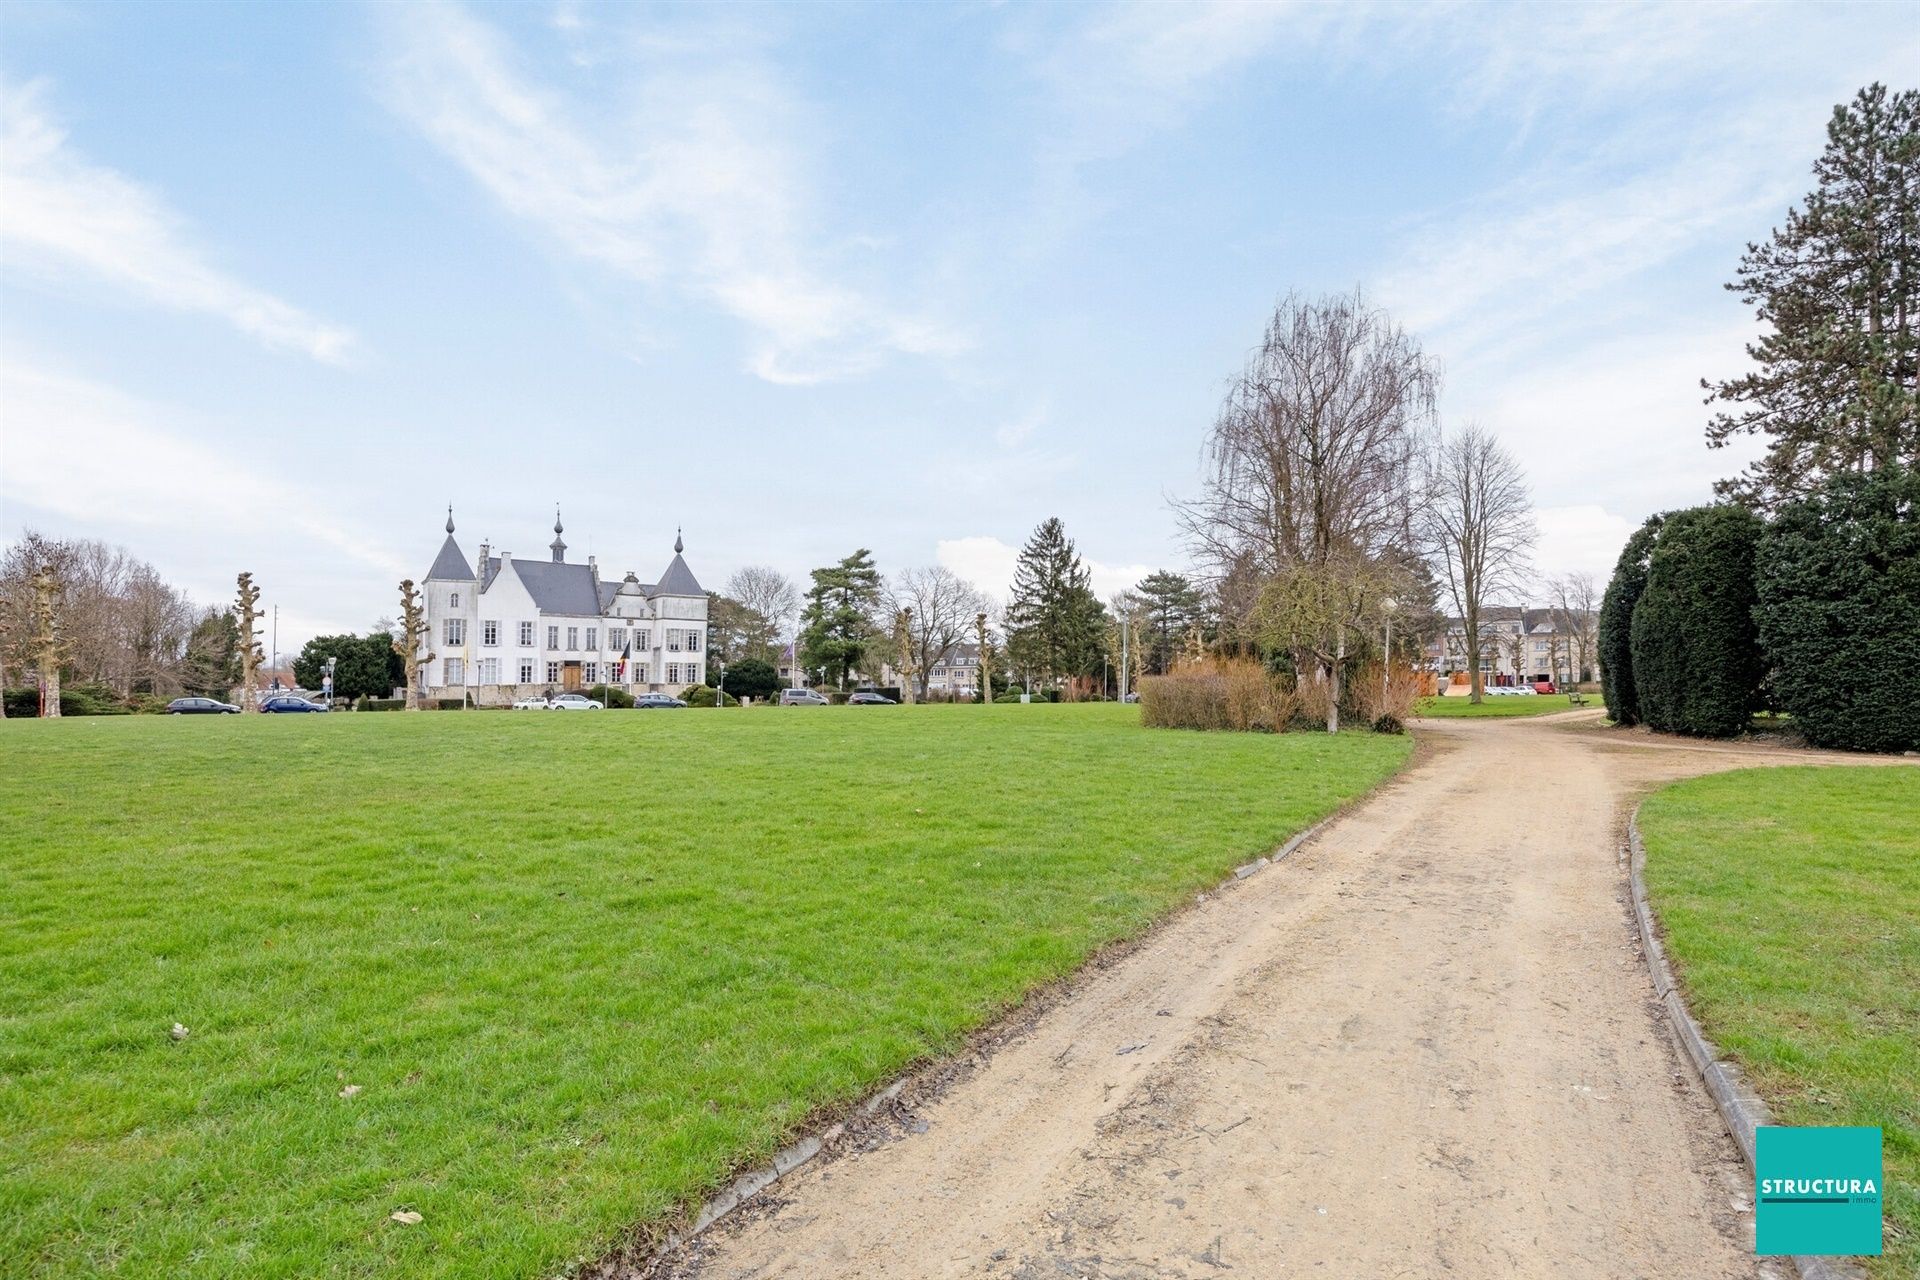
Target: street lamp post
720, 689
330, 662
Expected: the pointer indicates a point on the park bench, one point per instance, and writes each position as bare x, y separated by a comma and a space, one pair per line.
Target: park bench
1576, 699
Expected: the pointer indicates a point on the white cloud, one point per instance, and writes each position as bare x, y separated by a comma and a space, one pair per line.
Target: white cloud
63, 214
988, 563
1585, 538
135, 468
696, 187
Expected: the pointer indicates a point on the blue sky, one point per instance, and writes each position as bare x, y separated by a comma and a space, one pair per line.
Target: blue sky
277, 283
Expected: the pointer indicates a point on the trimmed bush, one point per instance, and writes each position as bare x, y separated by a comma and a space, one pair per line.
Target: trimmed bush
611, 696
1695, 653
380, 704
701, 695
1616, 623
1838, 584
449, 704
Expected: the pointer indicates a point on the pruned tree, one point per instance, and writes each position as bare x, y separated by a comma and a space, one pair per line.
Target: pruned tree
246, 616
1476, 522
415, 633
903, 650
941, 606
46, 644
1837, 382
985, 642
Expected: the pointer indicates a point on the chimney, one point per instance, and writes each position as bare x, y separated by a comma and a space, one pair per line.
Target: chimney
480, 566
594, 566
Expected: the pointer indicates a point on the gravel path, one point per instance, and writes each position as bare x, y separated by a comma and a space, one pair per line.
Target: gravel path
1425, 1045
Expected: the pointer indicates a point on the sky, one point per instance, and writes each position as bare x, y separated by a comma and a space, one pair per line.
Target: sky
279, 284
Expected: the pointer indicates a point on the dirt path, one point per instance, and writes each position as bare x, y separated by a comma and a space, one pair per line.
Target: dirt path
1425, 1045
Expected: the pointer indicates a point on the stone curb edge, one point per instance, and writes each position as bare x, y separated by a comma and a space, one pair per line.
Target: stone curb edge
793, 1156
1741, 1109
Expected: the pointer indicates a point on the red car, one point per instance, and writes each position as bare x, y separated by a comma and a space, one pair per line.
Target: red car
1544, 686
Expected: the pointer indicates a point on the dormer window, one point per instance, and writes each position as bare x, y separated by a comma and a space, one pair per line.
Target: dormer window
455, 600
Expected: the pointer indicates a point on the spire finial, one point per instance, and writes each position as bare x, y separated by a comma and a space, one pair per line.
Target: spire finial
449, 517
678, 545
556, 519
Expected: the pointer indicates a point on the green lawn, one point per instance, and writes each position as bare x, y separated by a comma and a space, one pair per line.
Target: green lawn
579, 966
1504, 705
1791, 904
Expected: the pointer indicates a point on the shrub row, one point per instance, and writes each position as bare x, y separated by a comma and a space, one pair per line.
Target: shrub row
78, 700
1240, 694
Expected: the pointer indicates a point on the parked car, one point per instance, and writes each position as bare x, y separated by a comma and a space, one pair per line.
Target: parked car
1545, 686
287, 703
802, 698
575, 702
1132, 697
201, 707
868, 698
656, 701
534, 702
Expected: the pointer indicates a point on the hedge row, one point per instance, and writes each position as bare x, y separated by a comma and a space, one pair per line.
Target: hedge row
1838, 585
1712, 609
1696, 654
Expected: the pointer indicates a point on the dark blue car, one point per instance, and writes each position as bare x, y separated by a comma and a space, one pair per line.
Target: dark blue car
286, 703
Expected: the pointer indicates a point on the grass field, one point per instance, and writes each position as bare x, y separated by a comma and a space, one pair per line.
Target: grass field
576, 967
1791, 904
1505, 705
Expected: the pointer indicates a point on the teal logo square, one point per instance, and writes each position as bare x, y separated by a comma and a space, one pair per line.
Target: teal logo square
1816, 1189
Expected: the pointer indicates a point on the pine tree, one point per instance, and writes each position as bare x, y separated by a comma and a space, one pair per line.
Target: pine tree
1172, 605
211, 666
1055, 624
837, 624
1838, 382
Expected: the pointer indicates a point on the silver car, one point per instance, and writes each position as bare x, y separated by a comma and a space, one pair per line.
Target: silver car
802, 698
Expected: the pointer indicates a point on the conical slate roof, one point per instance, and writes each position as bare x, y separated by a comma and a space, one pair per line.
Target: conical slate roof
678, 580
451, 564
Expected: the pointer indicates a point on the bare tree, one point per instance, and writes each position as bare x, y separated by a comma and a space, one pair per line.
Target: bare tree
1312, 475
246, 615
771, 601
413, 634
1312, 610
943, 606
1477, 525
1314, 455
1576, 610
122, 624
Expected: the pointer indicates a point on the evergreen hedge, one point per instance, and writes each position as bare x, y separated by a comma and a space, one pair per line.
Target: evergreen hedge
1839, 610
1696, 663
1616, 623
